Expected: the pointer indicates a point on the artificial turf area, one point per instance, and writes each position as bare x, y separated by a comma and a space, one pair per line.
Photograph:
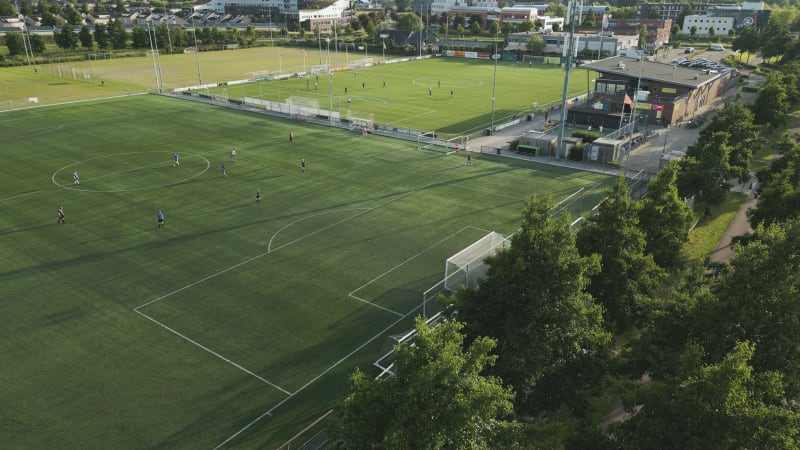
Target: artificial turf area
238, 322
391, 93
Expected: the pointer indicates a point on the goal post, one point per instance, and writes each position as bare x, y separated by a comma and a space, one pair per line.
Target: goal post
432, 141
468, 267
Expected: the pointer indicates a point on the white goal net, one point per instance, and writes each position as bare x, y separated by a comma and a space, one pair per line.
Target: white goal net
468, 267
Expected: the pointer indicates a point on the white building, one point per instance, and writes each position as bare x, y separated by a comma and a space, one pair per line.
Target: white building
721, 25
441, 6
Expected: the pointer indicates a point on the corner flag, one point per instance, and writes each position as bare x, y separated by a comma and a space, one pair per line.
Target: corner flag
305, 54
384, 45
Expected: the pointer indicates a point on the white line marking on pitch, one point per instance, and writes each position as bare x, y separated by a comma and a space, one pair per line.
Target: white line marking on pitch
313, 380
135, 169
20, 195
352, 293
374, 304
488, 192
269, 245
234, 364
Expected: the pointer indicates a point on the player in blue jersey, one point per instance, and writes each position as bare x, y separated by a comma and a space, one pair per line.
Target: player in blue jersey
176, 159
160, 217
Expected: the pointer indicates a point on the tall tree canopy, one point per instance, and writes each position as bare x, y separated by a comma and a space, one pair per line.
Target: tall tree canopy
628, 277
665, 218
438, 399
534, 302
725, 405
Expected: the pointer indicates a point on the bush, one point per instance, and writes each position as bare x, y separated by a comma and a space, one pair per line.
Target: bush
576, 153
586, 135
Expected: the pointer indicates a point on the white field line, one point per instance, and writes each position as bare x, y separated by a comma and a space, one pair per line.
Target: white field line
233, 363
29, 108
374, 304
313, 380
352, 293
20, 195
274, 235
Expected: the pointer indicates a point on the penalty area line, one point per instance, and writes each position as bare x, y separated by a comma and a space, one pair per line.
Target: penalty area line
314, 380
233, 363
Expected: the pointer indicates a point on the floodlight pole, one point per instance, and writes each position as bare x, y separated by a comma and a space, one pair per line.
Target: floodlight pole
573, 13
330, 83
196, 51
495, 57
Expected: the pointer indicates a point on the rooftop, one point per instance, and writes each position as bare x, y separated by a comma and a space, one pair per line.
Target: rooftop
654, 71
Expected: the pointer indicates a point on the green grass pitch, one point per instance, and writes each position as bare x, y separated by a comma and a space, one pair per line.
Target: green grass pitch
237, 323
404, 102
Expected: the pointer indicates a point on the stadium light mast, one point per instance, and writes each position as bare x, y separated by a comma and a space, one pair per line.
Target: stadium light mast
495, 57
196, 50
330, 83
573, 14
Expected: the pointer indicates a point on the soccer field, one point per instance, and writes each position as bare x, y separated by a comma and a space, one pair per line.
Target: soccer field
412, 94
238, 322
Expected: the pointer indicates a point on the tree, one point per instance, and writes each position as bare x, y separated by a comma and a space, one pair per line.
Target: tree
66, 38
725, 405
409, 22
556, 9
642, 36
746, 137
460, 30
402, 5
37, 43
665, 218
101, 35
139, 38
524, 26
533, 301
746, 40
675, 30
772, 102
438, 399
117, 34
705, 171
711, 31
73, 15
475, 28
655, 13
508, 28
757, 300
775, 39
627, 277
15, 43
779, 191
589, 19
494, 28
535, 44
693, 30
7, 8
85, 37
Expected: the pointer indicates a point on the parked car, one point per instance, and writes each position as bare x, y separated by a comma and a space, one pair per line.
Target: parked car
689, 50
716, 47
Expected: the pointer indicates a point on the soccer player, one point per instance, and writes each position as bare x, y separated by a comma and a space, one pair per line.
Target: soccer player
430, 91
258, 195
224, 171
176, 159
75, 178
303, 165
291, 136
60, 213
469, 160
160, 217
233, 155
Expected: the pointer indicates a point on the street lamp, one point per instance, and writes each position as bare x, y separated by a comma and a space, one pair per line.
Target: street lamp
330, 83
196, 51
495, 57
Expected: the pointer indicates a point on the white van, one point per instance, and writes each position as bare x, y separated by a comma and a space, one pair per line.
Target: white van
716, 47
